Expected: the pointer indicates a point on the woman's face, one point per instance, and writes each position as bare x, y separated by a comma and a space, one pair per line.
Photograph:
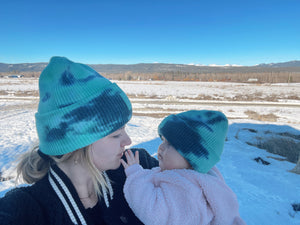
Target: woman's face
107, 152
169, 158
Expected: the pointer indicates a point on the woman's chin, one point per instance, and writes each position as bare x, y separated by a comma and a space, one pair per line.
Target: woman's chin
112, 166
116, 166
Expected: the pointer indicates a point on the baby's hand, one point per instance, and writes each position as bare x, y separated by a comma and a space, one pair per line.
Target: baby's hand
131, 159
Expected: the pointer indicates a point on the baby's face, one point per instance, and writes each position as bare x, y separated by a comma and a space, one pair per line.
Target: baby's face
169, 158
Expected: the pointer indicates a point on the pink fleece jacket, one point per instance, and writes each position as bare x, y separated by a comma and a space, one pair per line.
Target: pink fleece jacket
180, 197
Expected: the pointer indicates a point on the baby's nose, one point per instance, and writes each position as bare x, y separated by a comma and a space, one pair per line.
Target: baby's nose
161, 148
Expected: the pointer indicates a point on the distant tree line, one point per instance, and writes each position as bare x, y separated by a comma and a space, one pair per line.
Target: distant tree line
261, 77
254, 77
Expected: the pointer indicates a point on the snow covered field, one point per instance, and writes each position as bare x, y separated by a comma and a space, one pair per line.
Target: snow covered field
255, 111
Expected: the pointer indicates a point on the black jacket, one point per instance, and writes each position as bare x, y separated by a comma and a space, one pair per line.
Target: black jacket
39, 204
119, 212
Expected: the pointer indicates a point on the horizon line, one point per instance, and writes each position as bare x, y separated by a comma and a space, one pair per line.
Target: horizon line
186, 64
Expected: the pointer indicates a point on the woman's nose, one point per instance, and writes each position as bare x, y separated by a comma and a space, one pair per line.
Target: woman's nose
127, 140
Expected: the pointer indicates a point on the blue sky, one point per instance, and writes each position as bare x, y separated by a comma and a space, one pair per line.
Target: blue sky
166, 31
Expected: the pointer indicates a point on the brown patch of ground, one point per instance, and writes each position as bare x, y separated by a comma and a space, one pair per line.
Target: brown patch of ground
29, 105
261, 117
154, 115
246, 98
20, 93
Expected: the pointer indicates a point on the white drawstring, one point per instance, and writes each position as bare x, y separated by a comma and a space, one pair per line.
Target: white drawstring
111, 192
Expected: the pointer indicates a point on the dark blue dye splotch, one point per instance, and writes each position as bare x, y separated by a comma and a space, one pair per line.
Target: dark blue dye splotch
189, 140
65, 105
196, 123
89, 112
46, 97
83, 113
57, 133
210, 113
67, 78
200, 124
91, 77
216, 119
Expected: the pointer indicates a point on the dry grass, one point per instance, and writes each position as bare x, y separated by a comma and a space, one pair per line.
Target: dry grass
246, 98
296, 169
293, 97
20, 93
154, 109
284, 146
142, 96
24, 105
26, 93
2, 92
154, 115
261, 117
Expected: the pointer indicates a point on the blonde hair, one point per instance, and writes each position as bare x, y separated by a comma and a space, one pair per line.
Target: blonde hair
32, 167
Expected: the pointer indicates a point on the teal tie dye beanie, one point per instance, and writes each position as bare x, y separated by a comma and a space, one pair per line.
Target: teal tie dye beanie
77, 107
198, 136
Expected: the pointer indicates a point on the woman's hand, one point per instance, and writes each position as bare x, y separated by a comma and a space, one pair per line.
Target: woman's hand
131, 159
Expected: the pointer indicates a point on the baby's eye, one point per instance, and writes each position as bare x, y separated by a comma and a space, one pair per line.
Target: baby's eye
162, 138
165, 141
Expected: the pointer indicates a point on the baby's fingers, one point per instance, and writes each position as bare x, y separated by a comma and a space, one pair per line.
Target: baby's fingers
125, 165
137, 157
129, 156
131, 159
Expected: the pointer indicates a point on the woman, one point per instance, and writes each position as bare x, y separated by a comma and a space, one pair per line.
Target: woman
80, 123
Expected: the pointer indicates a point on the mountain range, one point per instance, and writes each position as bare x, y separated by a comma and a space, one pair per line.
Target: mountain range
160, 67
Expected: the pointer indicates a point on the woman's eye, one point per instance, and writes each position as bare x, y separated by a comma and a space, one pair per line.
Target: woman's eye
117, 135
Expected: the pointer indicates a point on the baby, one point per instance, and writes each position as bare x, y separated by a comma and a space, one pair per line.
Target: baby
186, 188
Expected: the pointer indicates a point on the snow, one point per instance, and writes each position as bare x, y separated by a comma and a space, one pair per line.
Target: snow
265, 192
